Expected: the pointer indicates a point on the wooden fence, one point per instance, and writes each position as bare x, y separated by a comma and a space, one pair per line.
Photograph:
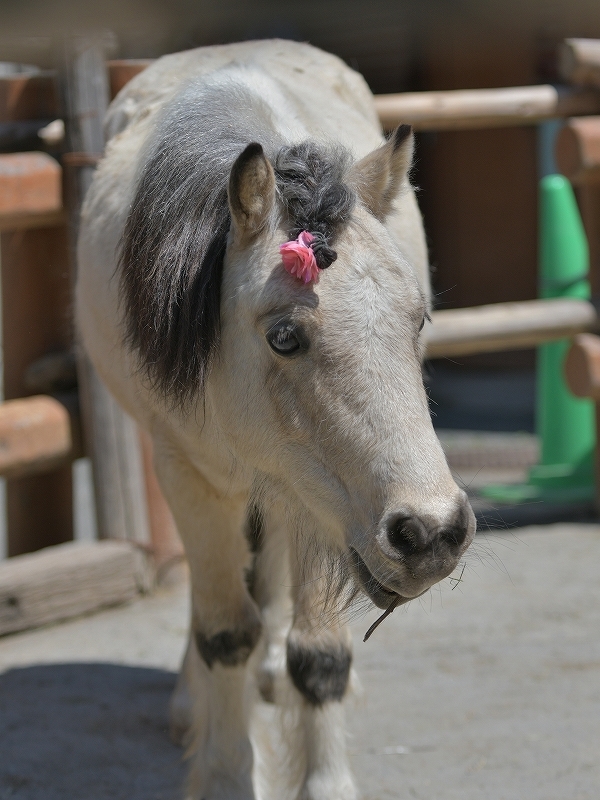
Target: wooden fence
40, 416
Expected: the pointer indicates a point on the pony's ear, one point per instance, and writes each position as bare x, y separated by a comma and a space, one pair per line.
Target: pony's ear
378, 177
251, 191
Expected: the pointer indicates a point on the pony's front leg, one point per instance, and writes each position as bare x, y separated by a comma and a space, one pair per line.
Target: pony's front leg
319, 658
225, 629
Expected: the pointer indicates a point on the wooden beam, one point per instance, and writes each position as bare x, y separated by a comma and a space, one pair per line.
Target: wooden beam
68, 580
582, 374
588, 198
36, 435
484, 108
111, 435
582, 366
507, 326
121, 71
579, 61
26, 96
30, 183
578, 150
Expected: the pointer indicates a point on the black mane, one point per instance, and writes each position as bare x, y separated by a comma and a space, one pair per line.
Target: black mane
175, 237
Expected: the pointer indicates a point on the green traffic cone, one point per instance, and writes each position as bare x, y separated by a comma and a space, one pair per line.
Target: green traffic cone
565, 424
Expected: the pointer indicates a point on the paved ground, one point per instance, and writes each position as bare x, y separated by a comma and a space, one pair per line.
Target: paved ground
486, 691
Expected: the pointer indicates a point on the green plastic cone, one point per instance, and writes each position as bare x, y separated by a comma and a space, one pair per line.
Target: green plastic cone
565, 424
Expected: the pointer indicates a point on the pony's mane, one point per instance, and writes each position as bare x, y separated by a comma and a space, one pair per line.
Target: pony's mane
175, 236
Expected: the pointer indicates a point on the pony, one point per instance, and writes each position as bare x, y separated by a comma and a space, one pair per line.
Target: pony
291, 430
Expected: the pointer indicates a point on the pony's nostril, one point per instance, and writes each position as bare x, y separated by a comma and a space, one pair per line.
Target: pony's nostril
455, 535
407, 535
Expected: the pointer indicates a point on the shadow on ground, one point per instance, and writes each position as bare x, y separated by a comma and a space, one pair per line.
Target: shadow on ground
87, 731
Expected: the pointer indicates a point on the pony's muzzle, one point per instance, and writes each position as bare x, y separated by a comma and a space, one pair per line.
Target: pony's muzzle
414, 551
406, 535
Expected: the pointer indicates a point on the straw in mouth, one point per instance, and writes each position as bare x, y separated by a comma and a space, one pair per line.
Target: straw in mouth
380, 619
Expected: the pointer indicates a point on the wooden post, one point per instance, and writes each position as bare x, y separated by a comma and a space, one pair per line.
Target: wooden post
582, 373
111, 435
578, 157
34, 511
578, 150
579, 61
582, 366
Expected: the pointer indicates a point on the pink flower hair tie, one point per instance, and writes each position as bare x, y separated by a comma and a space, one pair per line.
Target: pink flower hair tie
299, 259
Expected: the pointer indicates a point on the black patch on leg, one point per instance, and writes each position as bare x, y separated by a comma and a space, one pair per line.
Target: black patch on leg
230, 648
319, 675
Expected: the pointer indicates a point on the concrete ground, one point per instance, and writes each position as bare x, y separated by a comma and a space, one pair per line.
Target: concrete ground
486, 689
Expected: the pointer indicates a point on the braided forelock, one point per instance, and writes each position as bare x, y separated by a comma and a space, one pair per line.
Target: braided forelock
310, 180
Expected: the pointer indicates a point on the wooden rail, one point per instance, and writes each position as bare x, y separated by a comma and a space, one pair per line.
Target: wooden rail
36, 435
483, 108
67, 580
30, 191
112, 437
507, 326
30, 183
579, 61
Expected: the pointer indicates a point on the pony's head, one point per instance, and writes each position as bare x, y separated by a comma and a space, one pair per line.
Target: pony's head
315, 386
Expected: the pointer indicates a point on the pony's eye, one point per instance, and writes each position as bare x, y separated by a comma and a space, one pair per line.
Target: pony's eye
425, 317
285, 340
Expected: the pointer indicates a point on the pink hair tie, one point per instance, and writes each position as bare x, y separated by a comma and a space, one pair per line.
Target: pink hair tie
299, 259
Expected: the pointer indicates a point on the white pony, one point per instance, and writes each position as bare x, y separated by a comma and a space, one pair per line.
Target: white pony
291, 429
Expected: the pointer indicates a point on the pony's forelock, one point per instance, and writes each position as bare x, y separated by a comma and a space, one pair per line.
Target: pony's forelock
311, 184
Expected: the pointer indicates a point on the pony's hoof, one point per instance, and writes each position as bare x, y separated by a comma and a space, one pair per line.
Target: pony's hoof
329, 787
180, 719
